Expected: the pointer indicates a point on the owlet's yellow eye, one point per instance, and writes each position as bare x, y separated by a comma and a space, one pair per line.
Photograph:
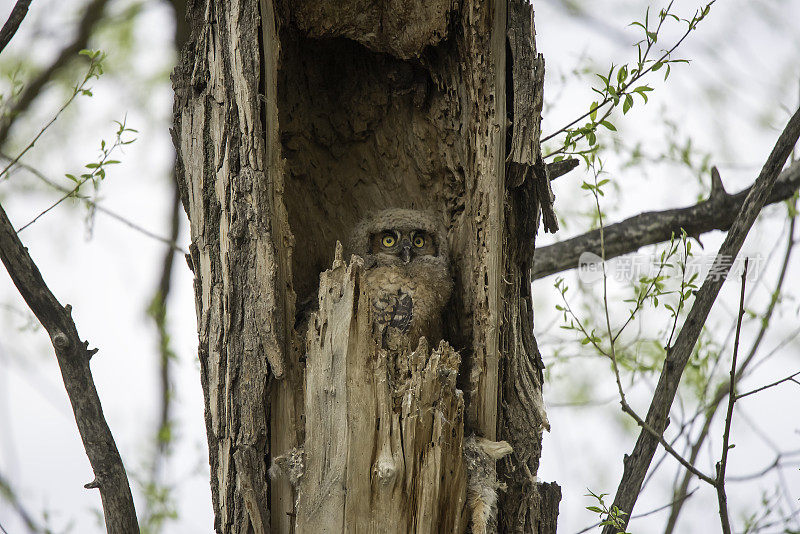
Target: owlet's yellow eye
388, 241
419, 241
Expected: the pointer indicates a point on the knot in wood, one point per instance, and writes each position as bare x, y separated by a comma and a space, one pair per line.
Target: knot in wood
60, 340
386, 469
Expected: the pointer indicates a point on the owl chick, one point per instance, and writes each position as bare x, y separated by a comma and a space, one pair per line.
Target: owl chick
407, 272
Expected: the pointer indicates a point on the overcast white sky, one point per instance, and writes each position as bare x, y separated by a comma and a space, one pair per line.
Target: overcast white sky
732, 100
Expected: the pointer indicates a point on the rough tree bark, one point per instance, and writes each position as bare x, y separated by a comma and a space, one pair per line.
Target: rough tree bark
294, 119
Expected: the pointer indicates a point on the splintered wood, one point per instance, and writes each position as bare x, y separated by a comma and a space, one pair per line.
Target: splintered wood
392, 417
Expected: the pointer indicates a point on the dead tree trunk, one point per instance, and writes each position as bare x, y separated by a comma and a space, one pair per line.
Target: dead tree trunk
293, 119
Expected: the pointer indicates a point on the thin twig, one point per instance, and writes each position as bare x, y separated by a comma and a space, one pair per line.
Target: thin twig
774, 464
97, 172
722, 465
762, 388
633, 80
93, 71
626, 408
173, 244
719, 395
644, 514
668, 505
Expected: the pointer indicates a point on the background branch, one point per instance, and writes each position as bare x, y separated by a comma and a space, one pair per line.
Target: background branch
171, 243
638, 463
91, 16
716, 213
73, 359
722, 390
10, 496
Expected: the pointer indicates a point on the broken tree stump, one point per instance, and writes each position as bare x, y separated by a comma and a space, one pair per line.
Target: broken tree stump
393, 417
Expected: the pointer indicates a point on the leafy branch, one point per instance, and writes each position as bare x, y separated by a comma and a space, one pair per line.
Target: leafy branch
94, 71
612, 517
622, 83
96, 171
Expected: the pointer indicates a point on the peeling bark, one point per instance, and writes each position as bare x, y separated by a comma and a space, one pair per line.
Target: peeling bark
231, 179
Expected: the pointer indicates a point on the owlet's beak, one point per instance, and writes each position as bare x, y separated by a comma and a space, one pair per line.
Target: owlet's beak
405, 252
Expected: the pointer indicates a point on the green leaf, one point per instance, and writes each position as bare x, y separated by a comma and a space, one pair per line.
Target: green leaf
627, 104
642, 90
593, 111
609, 126
622, 74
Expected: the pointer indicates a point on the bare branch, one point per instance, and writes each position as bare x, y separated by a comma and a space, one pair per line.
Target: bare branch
14, 20
638, 462
722, 465
158, 312
560, 168
716, 213
719, 395
73, 359
773, 384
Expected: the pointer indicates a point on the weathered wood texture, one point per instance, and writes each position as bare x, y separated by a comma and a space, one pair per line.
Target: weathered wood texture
402, 28
526, 506
384, 429
363, 131
301, 105
229, 169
